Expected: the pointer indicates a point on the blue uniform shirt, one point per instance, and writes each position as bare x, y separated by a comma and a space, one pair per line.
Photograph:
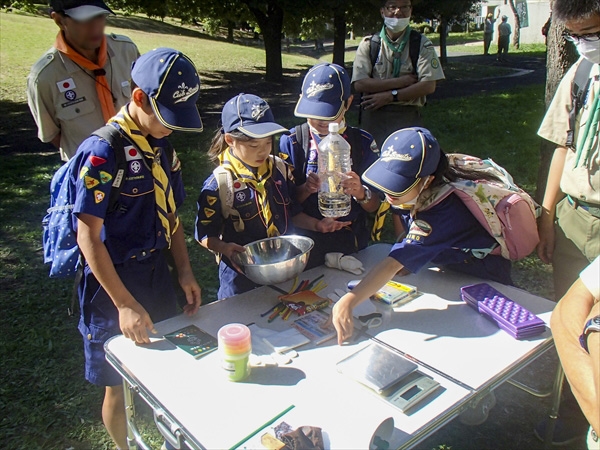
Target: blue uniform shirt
444, 235
211, 223
134, 227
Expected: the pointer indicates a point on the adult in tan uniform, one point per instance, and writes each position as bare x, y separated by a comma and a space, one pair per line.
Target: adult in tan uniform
570, 223
392, 94
77, 85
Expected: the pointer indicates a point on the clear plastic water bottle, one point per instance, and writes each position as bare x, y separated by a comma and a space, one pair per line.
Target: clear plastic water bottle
334, 163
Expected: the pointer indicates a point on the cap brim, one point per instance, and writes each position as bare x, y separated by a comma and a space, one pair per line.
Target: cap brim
317, 110
388, 182
262, 130
183, 119
87, 12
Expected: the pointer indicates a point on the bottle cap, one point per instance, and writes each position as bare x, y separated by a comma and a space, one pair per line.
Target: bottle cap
334, 127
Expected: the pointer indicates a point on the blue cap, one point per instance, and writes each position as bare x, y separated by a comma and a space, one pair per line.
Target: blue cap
325, 89
251, 115
172, 84
407, 155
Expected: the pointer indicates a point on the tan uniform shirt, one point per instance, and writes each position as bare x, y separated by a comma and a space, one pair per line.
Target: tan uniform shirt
428, 65
583, 182
62, 96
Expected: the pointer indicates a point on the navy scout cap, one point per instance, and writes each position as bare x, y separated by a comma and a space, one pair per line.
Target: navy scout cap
407, 155
251, 115
172, 84
325, 89
81, 10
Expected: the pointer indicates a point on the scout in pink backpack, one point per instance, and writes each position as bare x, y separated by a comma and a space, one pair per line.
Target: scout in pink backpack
458, 213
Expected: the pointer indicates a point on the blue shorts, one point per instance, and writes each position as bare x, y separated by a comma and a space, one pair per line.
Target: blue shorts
232, 282
149, 282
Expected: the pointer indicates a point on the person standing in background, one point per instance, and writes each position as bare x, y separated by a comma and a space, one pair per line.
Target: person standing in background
83, 80
504, 31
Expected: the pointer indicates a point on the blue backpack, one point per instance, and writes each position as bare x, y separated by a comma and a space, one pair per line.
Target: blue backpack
59, 238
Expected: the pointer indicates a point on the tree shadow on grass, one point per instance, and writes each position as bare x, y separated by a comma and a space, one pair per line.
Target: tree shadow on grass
219, 86
149, 25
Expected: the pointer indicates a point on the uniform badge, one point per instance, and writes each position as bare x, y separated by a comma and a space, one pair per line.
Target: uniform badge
240, 196
435, 63
83, 172
90, 182
206, 222
96, 160
211, 200
238, 186
209, 212
420, 228
135, 166
105, 177
132, 153
70, 95
66, 85
98, 196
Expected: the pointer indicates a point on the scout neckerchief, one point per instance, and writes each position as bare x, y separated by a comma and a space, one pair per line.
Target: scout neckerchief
256, 181
589, 136
379, 221
102, 87
165, 203
396, 48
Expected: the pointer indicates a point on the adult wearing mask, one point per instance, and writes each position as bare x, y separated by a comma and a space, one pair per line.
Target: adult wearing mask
570, 223
393, 90
83, 80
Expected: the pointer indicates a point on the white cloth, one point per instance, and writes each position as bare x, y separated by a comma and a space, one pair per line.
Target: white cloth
590, 276
350, 264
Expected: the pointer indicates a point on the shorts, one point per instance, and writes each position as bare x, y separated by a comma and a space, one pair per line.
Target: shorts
149, 282
232, 282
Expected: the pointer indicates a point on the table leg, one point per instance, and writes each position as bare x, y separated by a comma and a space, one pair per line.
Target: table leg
557, 392
134, 437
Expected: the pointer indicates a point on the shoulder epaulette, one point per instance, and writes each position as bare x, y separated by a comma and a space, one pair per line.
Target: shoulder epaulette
120, 38
43, 62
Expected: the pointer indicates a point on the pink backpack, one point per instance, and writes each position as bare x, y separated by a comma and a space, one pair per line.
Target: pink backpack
506, 211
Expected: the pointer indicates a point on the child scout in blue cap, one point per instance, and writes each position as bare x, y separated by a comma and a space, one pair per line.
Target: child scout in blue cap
249, 195
126, 284
409, 170
325, 98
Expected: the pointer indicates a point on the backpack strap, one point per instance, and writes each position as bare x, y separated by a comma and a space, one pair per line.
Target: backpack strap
582, 78
374, 47
303, 139
225, 186
116, 141
414, 48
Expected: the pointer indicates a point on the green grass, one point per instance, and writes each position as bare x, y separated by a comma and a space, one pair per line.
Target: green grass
44, 399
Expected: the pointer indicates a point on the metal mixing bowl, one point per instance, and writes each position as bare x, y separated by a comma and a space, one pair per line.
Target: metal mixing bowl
274, 260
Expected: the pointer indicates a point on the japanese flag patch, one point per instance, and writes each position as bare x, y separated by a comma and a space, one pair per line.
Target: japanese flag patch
66, 85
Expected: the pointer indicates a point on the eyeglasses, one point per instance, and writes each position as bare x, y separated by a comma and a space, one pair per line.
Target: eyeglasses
394, 9
576, 38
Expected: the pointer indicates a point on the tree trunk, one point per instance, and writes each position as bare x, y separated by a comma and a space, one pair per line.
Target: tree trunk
230, 25
560, 56
271, 26
516, 40
443, 40
339, 36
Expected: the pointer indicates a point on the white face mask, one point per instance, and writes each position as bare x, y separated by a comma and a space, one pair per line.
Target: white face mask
396, 25
589, 50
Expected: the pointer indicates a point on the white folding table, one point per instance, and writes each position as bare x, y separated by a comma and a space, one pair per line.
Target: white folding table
194, 403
